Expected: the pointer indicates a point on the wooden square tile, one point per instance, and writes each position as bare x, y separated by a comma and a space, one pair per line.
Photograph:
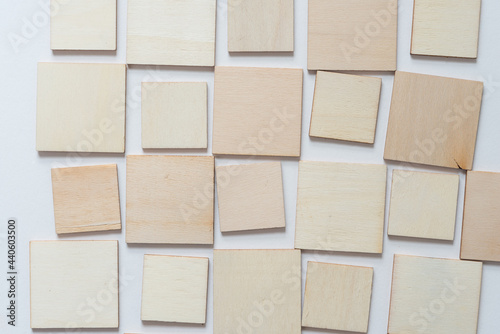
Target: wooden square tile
81, 107
438, 296
345, 107
257, 111
174, 289
174, 115
170, 199
74, 284
433, 120
86, 199
250, 197
340, 207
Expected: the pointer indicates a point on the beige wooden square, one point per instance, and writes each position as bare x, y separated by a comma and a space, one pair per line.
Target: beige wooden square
352, 35
260, 25
250, 197
345, 107
170, 199
257, 111
81, 107
171, 32
423, 205
433, 120
174, 115
447, 28
174, 289
438, 296
86, 199
74, 284
340, 207
337, 297
257, 291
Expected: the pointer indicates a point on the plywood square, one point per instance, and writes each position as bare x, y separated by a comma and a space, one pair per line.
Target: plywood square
83, 25
340, 207
257, 111
337, 297
423, 205
352, 35
250, 197
345, 107
74, 284
81, 107
433, 120
438, 296
171, 32
174, 115
174, 289
446, 28
170, 199
260, 25
257, 289
86, 199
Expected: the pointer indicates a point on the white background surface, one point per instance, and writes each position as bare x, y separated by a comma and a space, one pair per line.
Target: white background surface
25, 186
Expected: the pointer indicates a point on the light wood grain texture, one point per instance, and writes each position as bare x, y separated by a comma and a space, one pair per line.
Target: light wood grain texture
171, 32
438, 296
433, 120
423, 205
83, 25
257, 111
86, 199
250, 197
74, 284
345, 107
170, 199
352, 35
174, 289
447, 28
337, 297
81, 107
174, 115
257, 291
340, 207
260, 25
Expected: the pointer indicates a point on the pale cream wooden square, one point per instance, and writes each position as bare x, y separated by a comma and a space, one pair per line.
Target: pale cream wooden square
438, 296
171, 32
352, 35
174, 115
345, 107
447, 28
68, 279
250, 197
340, 207
170, 199
337, 297
257, 290
423, 205
81, 107
433, 120
174, 289
86, 199
257, 111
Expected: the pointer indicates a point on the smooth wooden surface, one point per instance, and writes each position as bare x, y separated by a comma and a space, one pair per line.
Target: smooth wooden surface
433, 120
170, 199
65, 275
257, 111
174, 115
438, 296
250, 196
86, 199
81, 107
345, 107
